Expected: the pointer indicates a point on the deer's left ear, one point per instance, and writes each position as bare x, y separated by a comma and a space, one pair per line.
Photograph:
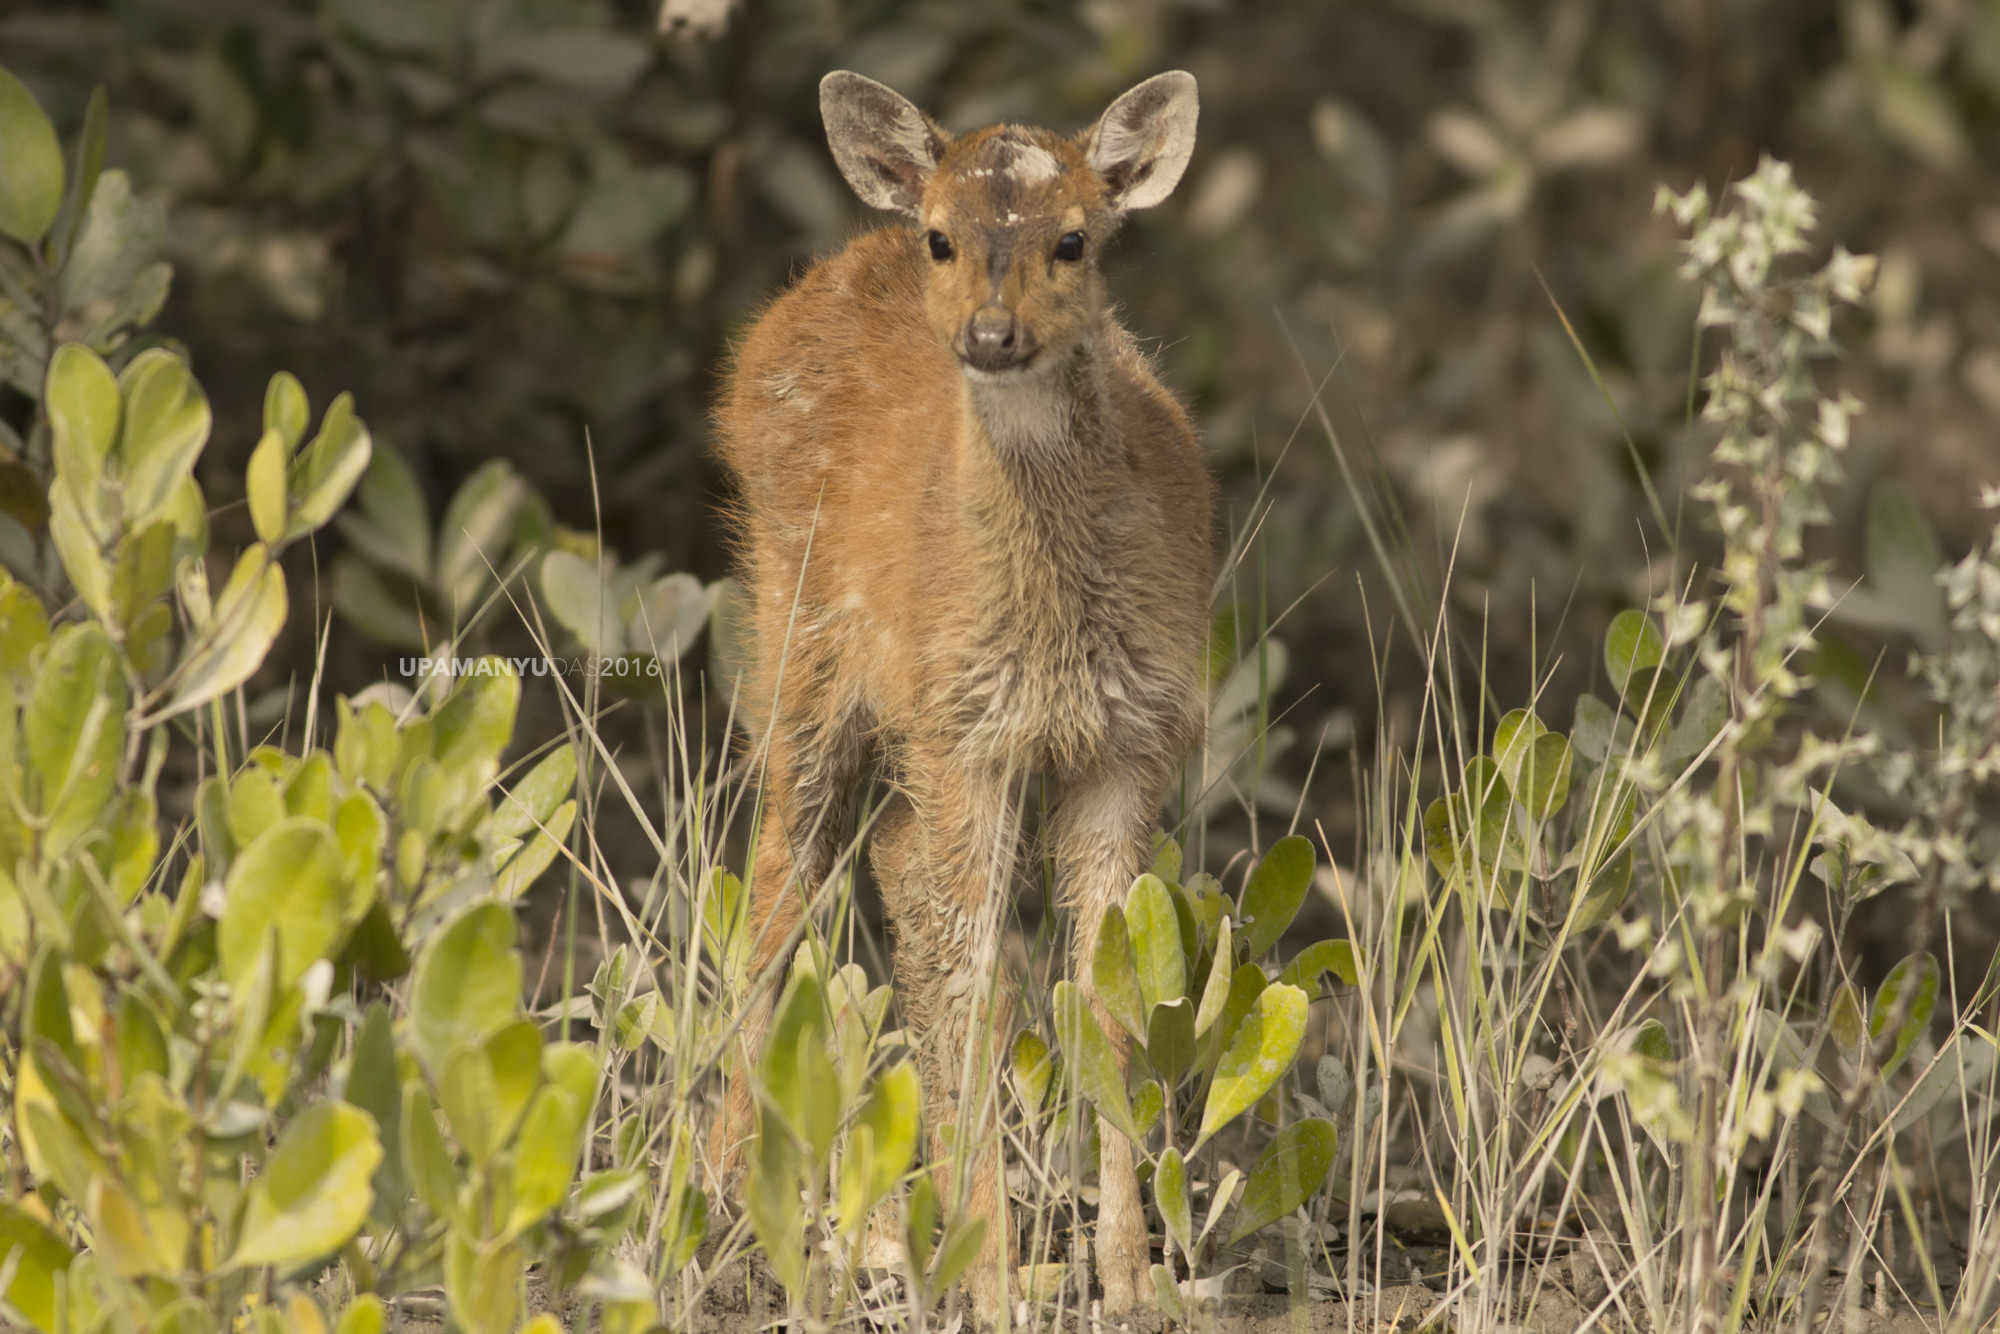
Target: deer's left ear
1142, 142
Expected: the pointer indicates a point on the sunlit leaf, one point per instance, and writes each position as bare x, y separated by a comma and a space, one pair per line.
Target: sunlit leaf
467, 983
314, 1190
1114, 974
1087, 1054
232, 645
1259, 1052
31, 170
1170, 1194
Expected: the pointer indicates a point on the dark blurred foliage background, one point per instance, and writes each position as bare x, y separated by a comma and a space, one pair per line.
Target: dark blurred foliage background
524, 231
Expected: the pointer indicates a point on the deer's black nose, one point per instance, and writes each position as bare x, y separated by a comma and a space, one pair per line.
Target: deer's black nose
993, 340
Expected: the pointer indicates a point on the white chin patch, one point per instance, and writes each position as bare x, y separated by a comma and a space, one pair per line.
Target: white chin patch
1010, 375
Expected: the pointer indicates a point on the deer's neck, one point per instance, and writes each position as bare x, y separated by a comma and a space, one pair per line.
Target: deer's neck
1039, 462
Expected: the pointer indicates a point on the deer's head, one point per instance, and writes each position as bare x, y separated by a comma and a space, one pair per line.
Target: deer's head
1011, 220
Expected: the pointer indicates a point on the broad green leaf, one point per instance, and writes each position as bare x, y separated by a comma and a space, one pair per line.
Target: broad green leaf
137, 1242
1215, 991
373, 1084
1114, 975
82, 401
1147, 1106
686, 1227
1166, 862
47, 1015
1261, 1050
1535, 761
666, 616
534, 799
467, 984
1033, 1068
83, 557
521, 870
1703, 713
891, 1117
1221, 1198
959, 1247
232, 645
482, 1281
1919, 973
75, 733
41, 1262
1087, 1054
1633, 647
309, 790
1290, 1170
477, 531
121, 238
1170, 1048
486, 1088
772, 1201
52, 1145
1245, 985
291, 877
264, 486
1170, 1194
575, 592
799, 1082
1276, 888
723, 911
880, 1146
1467, 833
1844, 1021
165, 424
472, 727
142, 570
31, 170
552, 1134
1965, 1063
1651, 1041
1321, 957
255, 804
314, 1191
427, 1162
1512, 739
364, 1315
326, 472
138, 305
141, 1044
24, 626
1155, 932
88, 163
286, 410
1598, 732
397, 517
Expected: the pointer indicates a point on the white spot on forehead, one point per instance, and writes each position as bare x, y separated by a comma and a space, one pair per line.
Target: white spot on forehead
1012, 217
1033, 164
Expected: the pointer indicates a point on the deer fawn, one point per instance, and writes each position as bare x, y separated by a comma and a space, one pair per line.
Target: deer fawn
975, 534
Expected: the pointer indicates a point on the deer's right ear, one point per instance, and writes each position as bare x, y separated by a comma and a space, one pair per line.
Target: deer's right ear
884, 146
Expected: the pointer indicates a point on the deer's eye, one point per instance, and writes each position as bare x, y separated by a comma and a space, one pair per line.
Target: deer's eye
940, 247
1069, 247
